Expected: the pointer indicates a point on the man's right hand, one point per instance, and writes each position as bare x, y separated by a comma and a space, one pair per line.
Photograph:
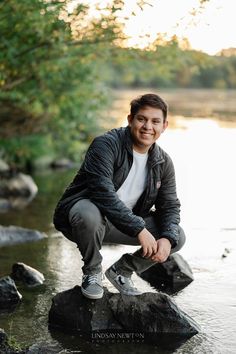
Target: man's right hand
148, 243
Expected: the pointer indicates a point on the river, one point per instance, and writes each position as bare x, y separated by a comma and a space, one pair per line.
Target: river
202, 148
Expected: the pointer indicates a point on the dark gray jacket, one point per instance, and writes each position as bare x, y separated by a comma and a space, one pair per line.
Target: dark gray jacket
105, 168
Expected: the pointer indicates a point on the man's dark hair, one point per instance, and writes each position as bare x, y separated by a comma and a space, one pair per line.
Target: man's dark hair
149, 99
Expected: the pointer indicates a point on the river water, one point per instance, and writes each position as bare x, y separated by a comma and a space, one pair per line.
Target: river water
203, 153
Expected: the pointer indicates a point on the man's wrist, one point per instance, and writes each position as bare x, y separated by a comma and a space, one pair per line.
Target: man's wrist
172, 242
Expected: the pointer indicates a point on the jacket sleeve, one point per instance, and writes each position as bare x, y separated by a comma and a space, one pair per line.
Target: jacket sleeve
99, 167
167, 204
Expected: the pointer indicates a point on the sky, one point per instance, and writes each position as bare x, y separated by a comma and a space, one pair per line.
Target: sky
210, 30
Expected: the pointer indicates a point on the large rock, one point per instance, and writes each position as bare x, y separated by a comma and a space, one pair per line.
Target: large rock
3, 336
11, 235
28, 275
17, 190
9, 295
4, 168
63, 163
171, 276
149, 313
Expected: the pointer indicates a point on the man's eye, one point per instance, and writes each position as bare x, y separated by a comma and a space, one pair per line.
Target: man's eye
155, 122
140, 119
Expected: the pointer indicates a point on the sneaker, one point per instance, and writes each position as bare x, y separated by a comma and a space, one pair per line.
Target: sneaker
120, 282
91, 286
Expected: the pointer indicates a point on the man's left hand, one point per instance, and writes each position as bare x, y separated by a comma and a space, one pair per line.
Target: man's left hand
163, 250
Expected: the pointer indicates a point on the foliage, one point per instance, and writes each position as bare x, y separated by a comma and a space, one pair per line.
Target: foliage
57, 63
166, 64
50, 83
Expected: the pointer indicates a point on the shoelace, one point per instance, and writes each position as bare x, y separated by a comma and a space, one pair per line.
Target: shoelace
129, 281
92, 279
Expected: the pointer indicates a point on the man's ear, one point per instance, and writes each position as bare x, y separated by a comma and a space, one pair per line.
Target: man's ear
165, 125
129, 119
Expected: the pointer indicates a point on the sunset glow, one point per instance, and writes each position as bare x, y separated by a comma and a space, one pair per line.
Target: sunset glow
209, 28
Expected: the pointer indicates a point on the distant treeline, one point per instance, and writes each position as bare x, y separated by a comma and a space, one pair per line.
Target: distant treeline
169, 66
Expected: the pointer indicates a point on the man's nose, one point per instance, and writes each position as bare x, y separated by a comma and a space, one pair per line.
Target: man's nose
148, 125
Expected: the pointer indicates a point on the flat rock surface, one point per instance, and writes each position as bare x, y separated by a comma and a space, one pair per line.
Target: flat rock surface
150, 313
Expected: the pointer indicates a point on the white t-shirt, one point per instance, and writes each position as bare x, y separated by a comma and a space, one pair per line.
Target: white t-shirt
134, 185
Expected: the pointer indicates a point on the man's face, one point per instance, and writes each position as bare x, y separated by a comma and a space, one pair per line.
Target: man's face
146, 127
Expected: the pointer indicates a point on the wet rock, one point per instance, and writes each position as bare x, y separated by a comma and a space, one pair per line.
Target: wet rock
18, 189
70, 309
9, 295
3, 336
171, 276
28, 275
149, 313
42, 163
62, 164
4, 168
11, 235
226, 252
152, 313
47, 348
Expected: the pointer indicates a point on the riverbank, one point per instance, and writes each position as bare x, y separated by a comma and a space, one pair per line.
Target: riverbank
192, 103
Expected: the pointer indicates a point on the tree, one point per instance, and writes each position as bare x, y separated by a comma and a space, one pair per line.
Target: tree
49, 80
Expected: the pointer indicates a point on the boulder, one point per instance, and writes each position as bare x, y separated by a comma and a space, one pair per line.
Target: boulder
171, 276
28, 275
62, 164
3, 336
18, 190
4, 168
9, 295
149, 313
11, 235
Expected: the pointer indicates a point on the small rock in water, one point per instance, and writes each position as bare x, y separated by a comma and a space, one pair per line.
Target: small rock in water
226, 252
9, 295
28, 275
62, 163
11, 235
3, 336
18, 189
171, 276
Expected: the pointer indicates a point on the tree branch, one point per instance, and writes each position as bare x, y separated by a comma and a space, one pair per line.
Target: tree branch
15, 83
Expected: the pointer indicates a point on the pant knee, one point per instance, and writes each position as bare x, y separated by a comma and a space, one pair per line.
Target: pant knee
85, 213
181, 242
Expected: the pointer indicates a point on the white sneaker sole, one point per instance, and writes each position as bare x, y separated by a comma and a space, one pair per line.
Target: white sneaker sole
91, 296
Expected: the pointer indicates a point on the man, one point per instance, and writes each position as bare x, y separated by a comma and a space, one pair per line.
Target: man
124, 192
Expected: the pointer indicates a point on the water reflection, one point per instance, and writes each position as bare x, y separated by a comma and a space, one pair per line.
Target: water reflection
203, 154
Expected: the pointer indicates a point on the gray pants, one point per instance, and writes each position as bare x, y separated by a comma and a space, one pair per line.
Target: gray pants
90, 229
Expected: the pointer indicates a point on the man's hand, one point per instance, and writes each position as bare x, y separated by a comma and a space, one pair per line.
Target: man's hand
148, 243
163, 250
